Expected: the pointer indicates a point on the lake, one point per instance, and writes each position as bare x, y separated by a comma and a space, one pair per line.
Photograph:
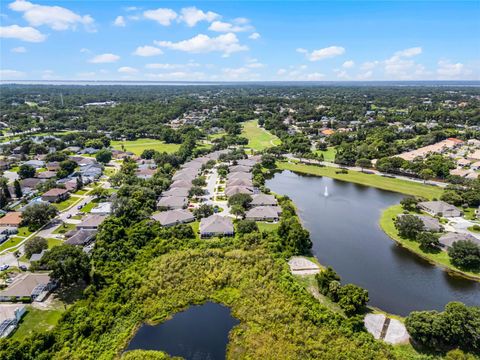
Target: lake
346, 236
198, 333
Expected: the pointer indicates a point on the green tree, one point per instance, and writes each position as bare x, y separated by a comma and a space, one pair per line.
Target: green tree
363, 163
37, 215
409, 226
237, 210
203, 211
426, 174
103, 156
324, 278
242, 200
428, 241
246, 226
18, 189
26, 171
409, 203
465, 254
68, 264
352, 298
35, 245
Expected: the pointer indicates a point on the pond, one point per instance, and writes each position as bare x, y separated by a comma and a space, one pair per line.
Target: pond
346, 235
198, 333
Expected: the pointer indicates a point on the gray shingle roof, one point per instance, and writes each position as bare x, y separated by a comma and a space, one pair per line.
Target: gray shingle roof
172, 217
172, 202
449, 238
81, 237
263, 199
216, 224
232, 190
440, 207
262, 212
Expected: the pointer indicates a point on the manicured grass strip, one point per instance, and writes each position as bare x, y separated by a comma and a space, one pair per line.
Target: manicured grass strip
37, 320
380, 182
23, 231
137, 146
13, 241
62, 229
328, 155
67, 203
88, 207
53, 242
258, 138
441, 258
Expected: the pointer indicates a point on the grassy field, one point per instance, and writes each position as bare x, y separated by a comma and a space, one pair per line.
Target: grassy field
37, 320
258, 138
441, 258
328, 155
380, 182
67, 203
137, 146
62, 229
88, 207
13, 241
265, 226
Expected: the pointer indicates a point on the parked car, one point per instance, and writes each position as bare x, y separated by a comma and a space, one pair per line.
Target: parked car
79, 207
23, 267
4, 267
69, 216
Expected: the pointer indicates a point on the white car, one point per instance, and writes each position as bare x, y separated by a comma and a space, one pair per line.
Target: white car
4, 267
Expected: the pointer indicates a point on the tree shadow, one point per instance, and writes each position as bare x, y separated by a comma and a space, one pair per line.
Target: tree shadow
70, 294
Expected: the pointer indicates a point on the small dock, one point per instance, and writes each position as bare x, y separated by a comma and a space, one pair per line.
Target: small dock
390, 330
302, 266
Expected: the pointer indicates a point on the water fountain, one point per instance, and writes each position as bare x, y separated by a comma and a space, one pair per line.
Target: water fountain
325, 192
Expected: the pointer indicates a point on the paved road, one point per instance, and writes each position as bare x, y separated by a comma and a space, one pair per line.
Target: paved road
210, 196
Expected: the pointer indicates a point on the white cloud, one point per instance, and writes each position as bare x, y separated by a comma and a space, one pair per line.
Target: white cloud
119, 21
365, 76
348, 64
220, 26
369, 65
281, 71
254, 36
315, 76
104, 58
85, 50
191, 16
131, 8
55, 17
177, 75
147, 50
342, 74
171, 66
7, 74
447, 70
127, 70
163, 16
86, 75
409, 52
25, 33
19, 49
226, 44
49, 75
254, 64
325, 53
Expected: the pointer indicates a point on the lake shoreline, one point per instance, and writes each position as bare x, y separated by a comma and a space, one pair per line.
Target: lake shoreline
384, 220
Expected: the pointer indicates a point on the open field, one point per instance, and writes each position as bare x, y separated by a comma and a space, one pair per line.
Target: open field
266, 226
441, 258
380, 182
11, 242
137, 146
258, 138
328, 155
37, 320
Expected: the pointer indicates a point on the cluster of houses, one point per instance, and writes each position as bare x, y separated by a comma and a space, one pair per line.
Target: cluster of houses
441, 209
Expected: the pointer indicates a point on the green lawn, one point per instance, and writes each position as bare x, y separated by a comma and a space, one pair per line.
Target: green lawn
53, 242
328, 155
62, 229
380, 182
258, 138
67, 203
23, 231
80, 192
88, 207
137, 146
13, 241
441, 258
37, 320
266, 226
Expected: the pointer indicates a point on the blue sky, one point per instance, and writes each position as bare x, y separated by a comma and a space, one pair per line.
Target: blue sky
263, 40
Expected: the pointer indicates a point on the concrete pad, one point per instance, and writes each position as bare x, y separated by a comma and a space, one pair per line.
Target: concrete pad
396, 333
302, 266
374, 324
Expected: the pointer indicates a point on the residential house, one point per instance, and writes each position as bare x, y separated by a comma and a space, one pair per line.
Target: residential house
440, 208
216, 225
29, 184
240, 182
55, 195
91, 222
185, 176
239, 168
46, 175
4, 165
239, 175
463, 162
37, 257
262, 213
11, 219
232, 190
179, 192
173, 217
475, 156
81, 237
181, 184
145, 173
10, 316
104, 208
172, 202
34, 286
37, 164
263, 200
247, 162
53, 166
449, 238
